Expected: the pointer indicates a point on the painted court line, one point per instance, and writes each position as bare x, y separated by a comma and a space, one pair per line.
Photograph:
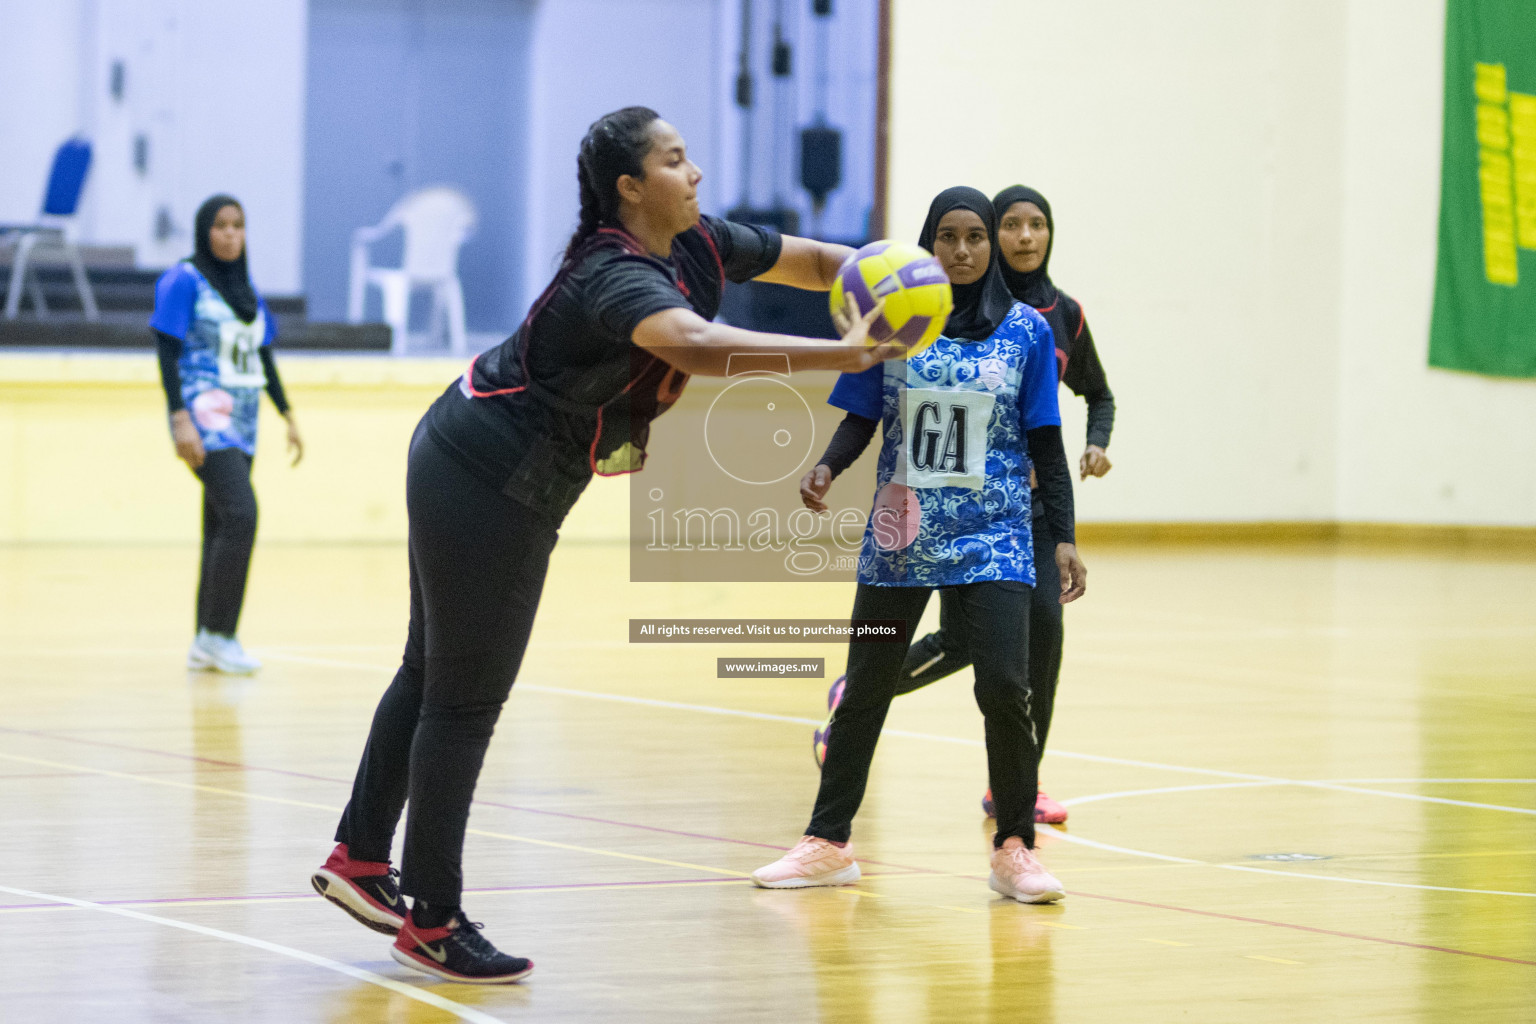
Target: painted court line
1086, 895
1304, 783
1080, 840
1247, 778
938, 738
1510, 782
1129, 851
432, 999
107, 744
1078, 801
1254, 781
30, 776
241, 766
287, 897
1301, 928
174, 784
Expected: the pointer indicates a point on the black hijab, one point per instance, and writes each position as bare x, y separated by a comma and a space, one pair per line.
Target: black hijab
1034, 287
981, 305
228, 277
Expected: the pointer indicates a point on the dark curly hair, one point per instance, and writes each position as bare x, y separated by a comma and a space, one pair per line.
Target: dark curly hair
615, 145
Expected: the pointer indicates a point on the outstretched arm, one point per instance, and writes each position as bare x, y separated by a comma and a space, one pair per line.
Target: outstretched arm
695, 345
807, 263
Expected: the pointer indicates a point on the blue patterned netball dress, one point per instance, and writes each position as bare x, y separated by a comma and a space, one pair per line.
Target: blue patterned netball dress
221, 371
952, 486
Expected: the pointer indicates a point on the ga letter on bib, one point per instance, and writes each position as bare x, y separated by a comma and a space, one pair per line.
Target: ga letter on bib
944, 434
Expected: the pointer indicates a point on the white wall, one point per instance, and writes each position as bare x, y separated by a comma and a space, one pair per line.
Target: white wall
1416, 444
216, 85
1186, 156
1246, 198
41, 106
577, 77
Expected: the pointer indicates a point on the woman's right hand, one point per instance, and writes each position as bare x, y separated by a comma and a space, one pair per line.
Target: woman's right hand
813, 489
189, 443
859, 353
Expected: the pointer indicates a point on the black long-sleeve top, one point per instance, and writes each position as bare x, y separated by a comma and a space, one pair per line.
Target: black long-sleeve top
1055, 502
1084, 373
169, 348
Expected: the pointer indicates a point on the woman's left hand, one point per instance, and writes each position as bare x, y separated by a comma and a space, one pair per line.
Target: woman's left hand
813, 489
295, 440
1095, 462
1074, 574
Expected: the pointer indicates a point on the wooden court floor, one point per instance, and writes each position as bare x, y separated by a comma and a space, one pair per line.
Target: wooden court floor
1223, 711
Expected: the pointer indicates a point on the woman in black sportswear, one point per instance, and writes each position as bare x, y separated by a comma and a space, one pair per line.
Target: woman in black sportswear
495, 465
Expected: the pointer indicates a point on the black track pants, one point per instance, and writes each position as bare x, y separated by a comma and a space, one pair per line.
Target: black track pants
993, 619
478, 561
944, 652
229, 533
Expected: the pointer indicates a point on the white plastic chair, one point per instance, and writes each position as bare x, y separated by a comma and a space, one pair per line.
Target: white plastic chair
436, 221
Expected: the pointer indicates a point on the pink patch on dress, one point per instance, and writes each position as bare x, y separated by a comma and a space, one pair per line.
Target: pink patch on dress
212, 408
896, 517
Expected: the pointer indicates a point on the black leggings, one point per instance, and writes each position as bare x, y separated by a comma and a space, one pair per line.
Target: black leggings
229, 532
944, 652
477, 566
993, 618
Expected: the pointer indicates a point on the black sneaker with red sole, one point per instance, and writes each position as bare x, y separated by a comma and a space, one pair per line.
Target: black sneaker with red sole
457, 952
368, 890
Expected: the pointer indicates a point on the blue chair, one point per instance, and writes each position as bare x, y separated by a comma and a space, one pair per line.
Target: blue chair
65, 183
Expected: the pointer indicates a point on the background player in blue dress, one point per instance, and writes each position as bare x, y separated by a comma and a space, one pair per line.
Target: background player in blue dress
963, 422
215, 336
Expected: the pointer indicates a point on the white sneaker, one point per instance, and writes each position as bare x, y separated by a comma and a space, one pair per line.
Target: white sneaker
812, 862
199, 659
224, 654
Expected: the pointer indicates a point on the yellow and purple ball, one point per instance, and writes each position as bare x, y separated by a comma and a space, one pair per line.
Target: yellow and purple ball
912, 283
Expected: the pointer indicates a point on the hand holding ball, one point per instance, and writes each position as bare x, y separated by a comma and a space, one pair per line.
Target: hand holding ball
912, 284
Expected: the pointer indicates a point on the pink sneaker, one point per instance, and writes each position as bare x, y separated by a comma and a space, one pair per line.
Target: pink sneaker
1048, 811
1018, 874
812, 862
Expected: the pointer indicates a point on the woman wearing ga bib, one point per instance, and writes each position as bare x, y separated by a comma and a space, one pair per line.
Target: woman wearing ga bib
962, 423
215, 334
496, 464
1027, 232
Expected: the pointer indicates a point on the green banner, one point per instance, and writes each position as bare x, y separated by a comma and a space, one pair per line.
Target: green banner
1485, 281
